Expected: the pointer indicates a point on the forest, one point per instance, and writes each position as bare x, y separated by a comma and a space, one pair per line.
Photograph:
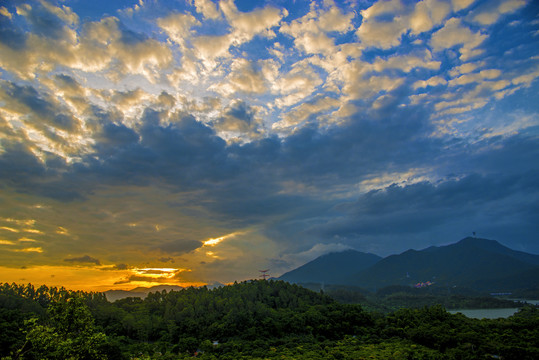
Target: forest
394, 297
256, 319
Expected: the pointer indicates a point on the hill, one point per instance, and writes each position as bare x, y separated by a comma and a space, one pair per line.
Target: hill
482, 264
332, 268
140, 292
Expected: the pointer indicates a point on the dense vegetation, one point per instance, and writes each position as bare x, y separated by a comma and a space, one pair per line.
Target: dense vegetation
250, 320
394, 297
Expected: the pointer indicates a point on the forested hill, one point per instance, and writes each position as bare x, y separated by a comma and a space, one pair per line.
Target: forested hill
250, 320
479, 264
332, 268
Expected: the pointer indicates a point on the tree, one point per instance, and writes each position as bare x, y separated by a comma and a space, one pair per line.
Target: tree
69, 334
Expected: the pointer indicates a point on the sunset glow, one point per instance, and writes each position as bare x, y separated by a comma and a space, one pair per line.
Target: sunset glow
191, 142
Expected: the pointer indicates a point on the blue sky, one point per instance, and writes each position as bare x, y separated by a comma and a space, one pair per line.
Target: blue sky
189, 142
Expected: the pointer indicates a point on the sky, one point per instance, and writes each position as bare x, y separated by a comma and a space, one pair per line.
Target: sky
190, 142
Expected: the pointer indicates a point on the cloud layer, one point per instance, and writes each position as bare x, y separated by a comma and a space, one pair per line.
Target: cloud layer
137, 135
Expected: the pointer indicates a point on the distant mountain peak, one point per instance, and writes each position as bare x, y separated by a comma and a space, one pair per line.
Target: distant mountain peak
473, 262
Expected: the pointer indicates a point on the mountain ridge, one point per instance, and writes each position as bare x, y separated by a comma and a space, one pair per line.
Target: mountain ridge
482, 264
324, 269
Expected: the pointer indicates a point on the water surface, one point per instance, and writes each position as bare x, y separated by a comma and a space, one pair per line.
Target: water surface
486, 313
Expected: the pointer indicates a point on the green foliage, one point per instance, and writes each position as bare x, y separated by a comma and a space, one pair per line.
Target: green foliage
250, 320
69, 333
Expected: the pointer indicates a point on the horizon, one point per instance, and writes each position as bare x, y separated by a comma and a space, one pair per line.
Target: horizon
217, 283
193, 142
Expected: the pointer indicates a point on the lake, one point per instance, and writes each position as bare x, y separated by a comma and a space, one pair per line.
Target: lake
492, 313
486, 313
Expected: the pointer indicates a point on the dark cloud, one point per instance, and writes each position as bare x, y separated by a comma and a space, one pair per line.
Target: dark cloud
44, 22
238, 117
130, 37
43, 108
116, 267
83, 259
11, 35
297, 185
493, 204
68, 83
179, 247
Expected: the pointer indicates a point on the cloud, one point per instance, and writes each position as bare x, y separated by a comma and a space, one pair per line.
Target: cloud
5, 12
400, 209
178, 27
244, 27
239, 118
298, 259
296, 85
406, 63
207, 8
307, 110
47, 20
454, 33
332, 124
433, 81
385, 22
115, 267
487, 74
83, 259
179, 246
461, 4
247, 25
244, 77
491, 14
311, 32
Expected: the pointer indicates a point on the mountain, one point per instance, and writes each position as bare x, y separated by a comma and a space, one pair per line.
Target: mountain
157, 288
113, 295
481, 264
332, 268
140, 292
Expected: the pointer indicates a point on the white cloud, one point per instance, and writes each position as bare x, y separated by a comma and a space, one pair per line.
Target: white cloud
461, 4
407, 62
243, 77
382, 7
296, 85
382, 35
427, 14
454, 33
5, 12
433, 81
310, 32
207, 8
247, 25
357, 84
209, 48
490, 14
488, 74
178, 26
466, 68
398, 19
303, 111
526, 79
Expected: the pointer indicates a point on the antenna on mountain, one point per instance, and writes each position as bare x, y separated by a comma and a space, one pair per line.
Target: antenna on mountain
473, 234
264, 275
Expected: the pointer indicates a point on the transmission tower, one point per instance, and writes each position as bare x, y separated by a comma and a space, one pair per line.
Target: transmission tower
264, 275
